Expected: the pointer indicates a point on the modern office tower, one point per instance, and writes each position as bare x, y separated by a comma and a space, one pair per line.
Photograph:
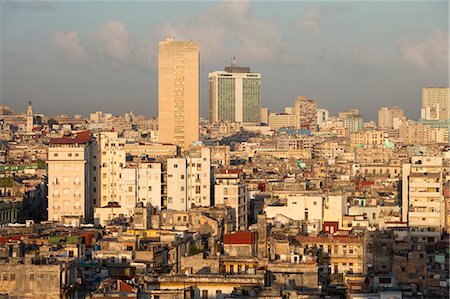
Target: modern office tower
435, 103
235, 95
353, 123
322, 116
29, 117
388, 118
422, 198
306, 113
108, 160
282, 120
178, 92
189, 181
231, 190
264, 119
69, 179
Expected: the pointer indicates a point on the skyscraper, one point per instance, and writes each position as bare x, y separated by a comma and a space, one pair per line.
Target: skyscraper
178, 92
235, 95
435, 103
306, 113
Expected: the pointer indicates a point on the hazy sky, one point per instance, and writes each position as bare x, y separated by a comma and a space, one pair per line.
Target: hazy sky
78, 57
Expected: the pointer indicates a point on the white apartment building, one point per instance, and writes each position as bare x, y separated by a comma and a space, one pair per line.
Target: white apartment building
299, 207
138, 183
334, 209
69, 178
231, 190
323, 115
108, 160
422, 197
189, 181
435, 103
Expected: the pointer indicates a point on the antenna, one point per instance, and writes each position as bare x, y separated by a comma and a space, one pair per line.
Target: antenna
233, 63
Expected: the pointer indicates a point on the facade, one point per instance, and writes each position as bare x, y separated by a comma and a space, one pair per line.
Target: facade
264, 118
435, 103
178, 92
231, 190
306, 113
235, 96
322, 117
69, 179
423, 198
282, 120
367, 138
189, 181
353, 123
108, 160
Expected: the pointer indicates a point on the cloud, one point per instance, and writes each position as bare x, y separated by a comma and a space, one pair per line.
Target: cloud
113, 41
428, 54
314, 15
69, 47
229, 28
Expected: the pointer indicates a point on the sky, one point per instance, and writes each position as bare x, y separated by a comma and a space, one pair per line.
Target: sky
77, 57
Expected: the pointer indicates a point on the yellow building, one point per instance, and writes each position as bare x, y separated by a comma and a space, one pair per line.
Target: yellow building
178, 92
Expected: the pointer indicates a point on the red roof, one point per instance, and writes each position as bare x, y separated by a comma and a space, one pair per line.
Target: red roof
239, 237
80, 137
231, 171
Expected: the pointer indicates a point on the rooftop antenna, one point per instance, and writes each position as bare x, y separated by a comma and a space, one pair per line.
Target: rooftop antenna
233, 61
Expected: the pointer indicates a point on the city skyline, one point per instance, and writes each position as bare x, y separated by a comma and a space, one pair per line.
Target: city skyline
333, 53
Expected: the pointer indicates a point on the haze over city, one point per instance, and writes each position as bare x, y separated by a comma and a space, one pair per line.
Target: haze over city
77, 57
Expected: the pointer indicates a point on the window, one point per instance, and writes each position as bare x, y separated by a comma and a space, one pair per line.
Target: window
55, 155
175, 165
31, 277
170, 200
5, 277
13, 277
130, 188
182, 176
69, 154
204, 294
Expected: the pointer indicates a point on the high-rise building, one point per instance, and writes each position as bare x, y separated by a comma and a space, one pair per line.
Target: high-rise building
69, 179
435, 103
235, 95
422, 198
388, 118
322, 116
29, 117
189, 181
108, 160
231, 190
178, 92
306, 113
353, 123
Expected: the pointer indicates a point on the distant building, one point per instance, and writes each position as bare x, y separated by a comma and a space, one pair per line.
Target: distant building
306, 113
178, 92
235, 95
282, 120
435, 103
29, 117
353, 123
264, 118
388, 118
322, 117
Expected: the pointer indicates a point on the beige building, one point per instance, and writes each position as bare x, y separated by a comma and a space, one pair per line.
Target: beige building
306, 113
282, 120
369, 138
108, 160
69, 179
388, 118
415, 133
29, 117
423, 198
231, 190
178, 92
435, 103
264, 115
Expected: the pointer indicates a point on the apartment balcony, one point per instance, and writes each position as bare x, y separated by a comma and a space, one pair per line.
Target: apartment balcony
424, 194
424, 185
